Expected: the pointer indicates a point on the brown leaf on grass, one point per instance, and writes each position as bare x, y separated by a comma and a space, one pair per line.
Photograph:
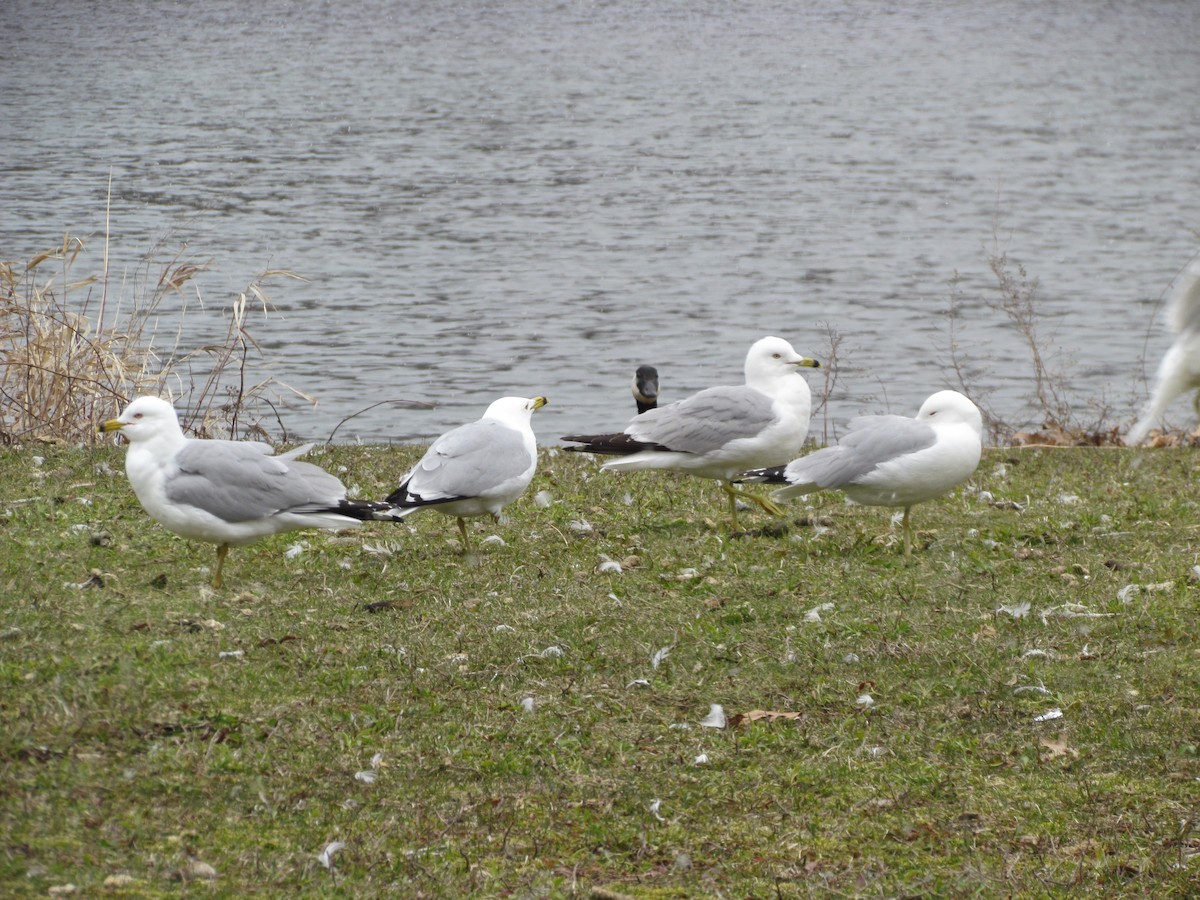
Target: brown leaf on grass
286, 639
381, 605
1057, 747
756, 714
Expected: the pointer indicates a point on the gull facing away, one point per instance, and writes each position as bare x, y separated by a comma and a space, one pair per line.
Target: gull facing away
228, 493
891, 460
721, 431
1179, 371
476, 469
645, 388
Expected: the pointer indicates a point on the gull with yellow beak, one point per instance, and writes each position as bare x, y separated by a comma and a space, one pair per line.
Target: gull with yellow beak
475, 469
721, 431
228, 493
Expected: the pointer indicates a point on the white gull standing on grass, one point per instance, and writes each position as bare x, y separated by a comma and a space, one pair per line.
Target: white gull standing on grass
474, 470
227, 493
1179, 371
891, 460
721, 431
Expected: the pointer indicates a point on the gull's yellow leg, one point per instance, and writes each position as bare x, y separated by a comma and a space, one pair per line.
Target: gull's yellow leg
907, 525
728, 488
462, 530
766, 503
222, 552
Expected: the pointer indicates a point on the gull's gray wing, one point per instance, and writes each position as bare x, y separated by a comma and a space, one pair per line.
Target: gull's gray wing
238, 482
466, 462
705, 421
869, 442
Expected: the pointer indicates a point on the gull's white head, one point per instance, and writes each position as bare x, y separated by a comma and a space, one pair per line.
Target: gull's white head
143, 419
514, 409
951, 408
771, 357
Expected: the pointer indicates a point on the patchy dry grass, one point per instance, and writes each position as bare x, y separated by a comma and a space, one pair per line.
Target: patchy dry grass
530, 726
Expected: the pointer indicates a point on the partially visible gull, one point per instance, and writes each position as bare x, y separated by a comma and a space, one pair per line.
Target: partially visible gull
1179, 371
228, 493
476, 469
645, 388
891, 460
721, 431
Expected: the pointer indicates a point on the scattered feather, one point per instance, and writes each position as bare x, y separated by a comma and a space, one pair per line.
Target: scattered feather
1127, 593
376, 760
866, 701
326, 857
231, 654
659, 655
715, 718
638, 682
366, 776
543, 499
655, 806
527, 704
1049, 715
500, 628
494, 539
198, 868
295, 550
1016, 610
814, 614
608, 565
700, 760
376, 549
850, 659
1039, 688
1071, 611
580, 526
1035, 653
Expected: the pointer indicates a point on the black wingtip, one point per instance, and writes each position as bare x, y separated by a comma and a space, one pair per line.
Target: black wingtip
619, 444
363, 510
771, 475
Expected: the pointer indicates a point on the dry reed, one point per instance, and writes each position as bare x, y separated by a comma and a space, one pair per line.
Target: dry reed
71, 355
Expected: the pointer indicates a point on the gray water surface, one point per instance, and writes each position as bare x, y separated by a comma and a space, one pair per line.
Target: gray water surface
534, 197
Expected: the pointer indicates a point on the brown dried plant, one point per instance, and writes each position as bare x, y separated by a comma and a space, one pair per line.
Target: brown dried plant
71, 356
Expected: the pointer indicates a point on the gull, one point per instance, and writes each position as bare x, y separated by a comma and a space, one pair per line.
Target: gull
1179, 371
891, 460
721, 431
645, 388
473, 470
228, 493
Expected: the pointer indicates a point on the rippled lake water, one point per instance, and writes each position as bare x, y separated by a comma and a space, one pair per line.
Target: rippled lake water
533, 197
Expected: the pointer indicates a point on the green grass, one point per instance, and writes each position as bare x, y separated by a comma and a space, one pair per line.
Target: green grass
133, 755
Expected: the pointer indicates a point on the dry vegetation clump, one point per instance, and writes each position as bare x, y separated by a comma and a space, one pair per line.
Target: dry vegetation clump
71, 353
1063, 423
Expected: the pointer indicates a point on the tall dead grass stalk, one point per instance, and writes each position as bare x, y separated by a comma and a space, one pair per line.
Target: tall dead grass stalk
70, 359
